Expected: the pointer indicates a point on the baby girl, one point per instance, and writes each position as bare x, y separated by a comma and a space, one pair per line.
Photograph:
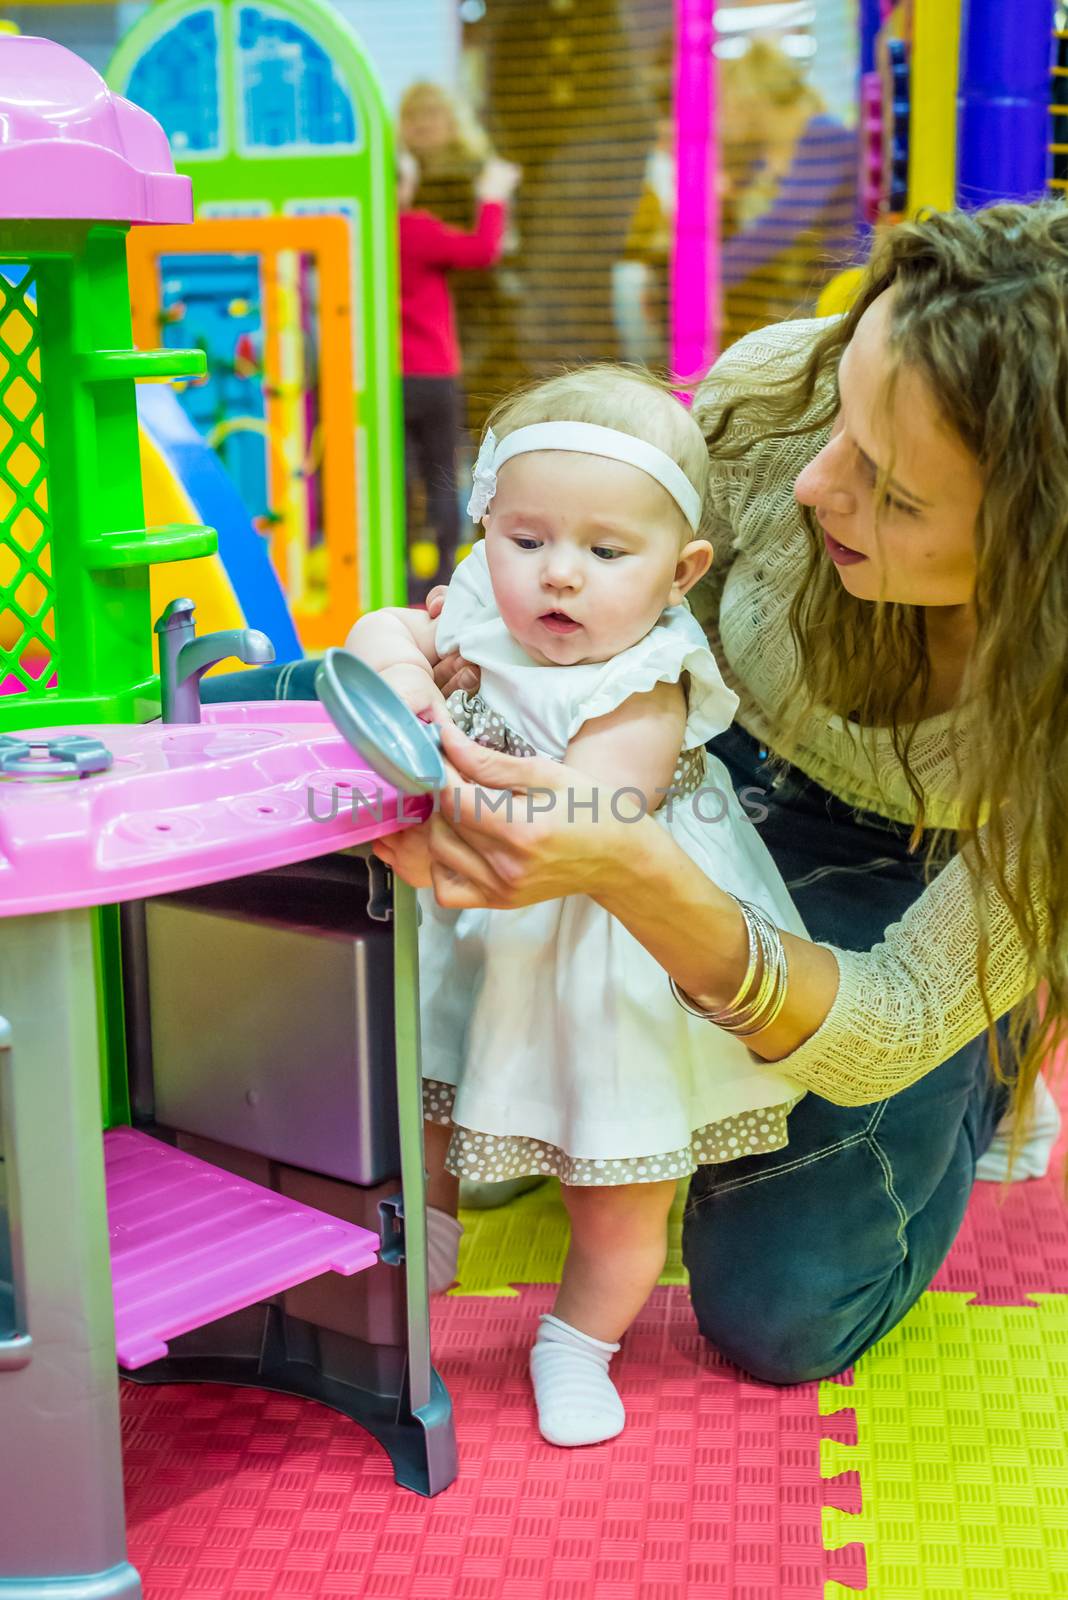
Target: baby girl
551, 1041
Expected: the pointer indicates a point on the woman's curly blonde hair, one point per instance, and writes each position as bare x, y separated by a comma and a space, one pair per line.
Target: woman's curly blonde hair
980, 311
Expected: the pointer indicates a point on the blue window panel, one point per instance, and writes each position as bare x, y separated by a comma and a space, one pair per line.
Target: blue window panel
177, 80
290, 92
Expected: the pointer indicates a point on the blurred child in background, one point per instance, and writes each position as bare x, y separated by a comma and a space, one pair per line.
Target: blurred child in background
429, 250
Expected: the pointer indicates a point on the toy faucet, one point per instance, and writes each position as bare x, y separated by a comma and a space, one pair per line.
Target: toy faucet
184, 659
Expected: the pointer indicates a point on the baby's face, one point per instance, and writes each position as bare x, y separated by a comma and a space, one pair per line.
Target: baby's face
583, 554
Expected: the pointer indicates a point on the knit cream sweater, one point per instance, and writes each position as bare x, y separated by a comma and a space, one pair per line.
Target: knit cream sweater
912, 1001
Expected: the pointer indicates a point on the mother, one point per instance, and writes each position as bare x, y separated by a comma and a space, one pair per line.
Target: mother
890, 601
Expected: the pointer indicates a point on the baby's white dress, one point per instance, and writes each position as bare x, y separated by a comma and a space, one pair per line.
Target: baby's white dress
550, 1037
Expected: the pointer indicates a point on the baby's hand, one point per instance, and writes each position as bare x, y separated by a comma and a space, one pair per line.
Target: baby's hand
452, 671
416, 687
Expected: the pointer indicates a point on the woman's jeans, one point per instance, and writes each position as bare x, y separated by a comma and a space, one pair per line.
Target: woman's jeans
800, 1260
286, 680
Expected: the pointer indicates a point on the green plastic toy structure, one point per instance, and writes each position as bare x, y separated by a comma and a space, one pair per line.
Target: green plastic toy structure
75, 554
75, 620
274, 110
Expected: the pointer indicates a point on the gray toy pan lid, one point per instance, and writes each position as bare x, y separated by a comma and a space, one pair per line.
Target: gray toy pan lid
378, 725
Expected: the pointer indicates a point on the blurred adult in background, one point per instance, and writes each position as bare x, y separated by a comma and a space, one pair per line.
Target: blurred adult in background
641, 280
430, 355
788, 189
452, 149
567, 96
435, 128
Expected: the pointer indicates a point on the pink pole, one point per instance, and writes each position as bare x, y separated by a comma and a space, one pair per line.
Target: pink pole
695, 259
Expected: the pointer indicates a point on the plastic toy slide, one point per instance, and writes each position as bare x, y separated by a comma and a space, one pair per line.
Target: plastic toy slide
185, 481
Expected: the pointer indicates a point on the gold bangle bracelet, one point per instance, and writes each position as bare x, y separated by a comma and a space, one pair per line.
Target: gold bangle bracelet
751, 969
762, 932
747, 1016
775, 1003
738, 1001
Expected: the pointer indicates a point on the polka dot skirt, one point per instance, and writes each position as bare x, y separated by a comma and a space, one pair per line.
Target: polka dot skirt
488, 1157
481, 723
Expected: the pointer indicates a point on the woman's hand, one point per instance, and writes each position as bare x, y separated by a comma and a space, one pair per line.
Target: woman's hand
510, 831
408, 855
452, 671
553, 843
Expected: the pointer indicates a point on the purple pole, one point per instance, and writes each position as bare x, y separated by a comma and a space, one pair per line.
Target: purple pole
871, 20
1003, 104
695, 259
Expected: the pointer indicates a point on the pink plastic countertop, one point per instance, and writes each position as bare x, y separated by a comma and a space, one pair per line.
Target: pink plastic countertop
184, 805
70, 148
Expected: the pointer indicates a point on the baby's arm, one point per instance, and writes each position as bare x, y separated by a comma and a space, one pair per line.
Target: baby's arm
636, 746
401, 646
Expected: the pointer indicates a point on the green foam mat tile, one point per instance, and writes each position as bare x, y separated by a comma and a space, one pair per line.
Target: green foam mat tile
962, 1452
526, 1242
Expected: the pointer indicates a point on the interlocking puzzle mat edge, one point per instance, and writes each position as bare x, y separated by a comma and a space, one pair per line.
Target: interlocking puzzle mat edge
962, 1439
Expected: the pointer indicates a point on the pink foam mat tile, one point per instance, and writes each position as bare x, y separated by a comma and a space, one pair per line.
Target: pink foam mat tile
1013, 1242
713, 1490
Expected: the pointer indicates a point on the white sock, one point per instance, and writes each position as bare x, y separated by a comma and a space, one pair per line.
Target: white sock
443, 1235
577, 1400
1036, 1146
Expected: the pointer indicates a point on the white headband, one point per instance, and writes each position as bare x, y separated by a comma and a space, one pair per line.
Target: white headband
590, 440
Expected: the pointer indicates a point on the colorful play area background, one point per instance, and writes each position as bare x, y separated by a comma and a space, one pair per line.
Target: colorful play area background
938, 1467
934, 1468
280, 114
634, 233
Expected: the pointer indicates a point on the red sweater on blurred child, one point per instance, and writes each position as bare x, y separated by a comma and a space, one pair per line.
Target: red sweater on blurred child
429, 251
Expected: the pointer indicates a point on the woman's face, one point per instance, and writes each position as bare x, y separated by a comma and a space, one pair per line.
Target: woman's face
921, 549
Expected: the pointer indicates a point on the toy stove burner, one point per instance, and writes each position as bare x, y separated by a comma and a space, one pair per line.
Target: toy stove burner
68, 755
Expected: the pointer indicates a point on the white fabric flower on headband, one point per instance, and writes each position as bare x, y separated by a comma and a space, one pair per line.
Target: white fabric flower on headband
484, 486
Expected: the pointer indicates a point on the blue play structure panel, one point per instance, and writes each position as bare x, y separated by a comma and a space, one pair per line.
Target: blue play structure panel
244, 554
290, 91
177, 80
221, 295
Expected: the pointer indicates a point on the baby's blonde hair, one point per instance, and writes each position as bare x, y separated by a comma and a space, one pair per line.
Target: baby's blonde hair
628, 399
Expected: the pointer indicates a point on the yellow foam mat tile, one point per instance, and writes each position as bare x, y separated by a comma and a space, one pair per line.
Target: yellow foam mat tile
526, 1242
962, 1454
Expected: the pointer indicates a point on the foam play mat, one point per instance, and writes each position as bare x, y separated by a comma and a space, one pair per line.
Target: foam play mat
961, 1452
936, 1468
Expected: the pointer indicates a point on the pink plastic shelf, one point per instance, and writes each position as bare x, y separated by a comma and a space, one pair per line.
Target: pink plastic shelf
250, 787
190, 1243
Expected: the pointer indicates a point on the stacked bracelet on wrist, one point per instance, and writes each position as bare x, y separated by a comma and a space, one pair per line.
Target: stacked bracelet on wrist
762, 993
